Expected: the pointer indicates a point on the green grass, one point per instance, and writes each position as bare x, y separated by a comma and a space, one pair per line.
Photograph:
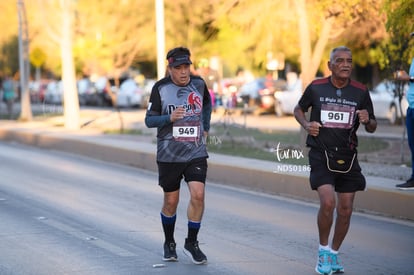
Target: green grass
262, 144
370, 144
259, 135
255, 143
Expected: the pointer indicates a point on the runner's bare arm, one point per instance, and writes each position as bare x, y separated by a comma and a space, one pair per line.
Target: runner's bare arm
312, 127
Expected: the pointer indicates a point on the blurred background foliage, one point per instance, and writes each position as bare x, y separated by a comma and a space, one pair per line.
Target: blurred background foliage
111, 36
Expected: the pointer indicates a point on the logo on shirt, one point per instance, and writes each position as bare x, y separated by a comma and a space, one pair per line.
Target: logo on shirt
192, 105
194, 102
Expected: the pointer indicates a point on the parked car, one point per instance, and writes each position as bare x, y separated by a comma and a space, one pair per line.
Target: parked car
54, 92
148, 84
83, 85
259, 93
129, 94
386, 105
99, 93
286, 100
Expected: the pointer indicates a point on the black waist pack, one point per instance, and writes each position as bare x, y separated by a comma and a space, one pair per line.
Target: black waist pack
340, 160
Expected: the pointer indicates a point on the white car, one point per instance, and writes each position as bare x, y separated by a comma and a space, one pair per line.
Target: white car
285, 101
54, 92
148, 84
386, 105
129, 94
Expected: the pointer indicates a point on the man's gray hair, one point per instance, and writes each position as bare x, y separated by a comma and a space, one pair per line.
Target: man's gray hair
339, 49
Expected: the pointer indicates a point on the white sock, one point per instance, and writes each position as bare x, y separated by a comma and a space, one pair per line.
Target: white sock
334, 252
324, 247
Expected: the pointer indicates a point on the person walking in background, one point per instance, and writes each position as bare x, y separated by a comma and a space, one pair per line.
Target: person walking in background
339, 105
180, 107
8, 94
409, 120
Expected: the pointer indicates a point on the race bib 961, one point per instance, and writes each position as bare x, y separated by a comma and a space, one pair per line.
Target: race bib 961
337, 116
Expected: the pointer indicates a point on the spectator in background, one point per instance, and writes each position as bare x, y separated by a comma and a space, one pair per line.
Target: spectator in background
409, 120
8, 94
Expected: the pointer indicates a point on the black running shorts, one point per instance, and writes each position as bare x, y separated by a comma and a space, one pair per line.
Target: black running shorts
170, 174
344, 183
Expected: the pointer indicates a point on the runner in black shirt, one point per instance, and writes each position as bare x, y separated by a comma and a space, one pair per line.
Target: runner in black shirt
180, 107
339, 105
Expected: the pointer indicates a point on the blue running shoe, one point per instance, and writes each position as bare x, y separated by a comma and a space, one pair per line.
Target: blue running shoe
323, 266
336, 264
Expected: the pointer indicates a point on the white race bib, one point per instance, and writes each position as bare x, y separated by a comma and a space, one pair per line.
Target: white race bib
186, 131
337, 116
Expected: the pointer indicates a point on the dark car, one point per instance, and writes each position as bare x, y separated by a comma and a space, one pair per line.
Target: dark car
99, 93
259, 93
84, 85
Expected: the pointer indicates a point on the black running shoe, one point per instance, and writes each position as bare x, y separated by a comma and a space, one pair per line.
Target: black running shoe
170, 255
408, 185
192, 250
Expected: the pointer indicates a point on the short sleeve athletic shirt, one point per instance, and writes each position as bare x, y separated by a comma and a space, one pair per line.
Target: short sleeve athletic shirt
182, 140
335, 109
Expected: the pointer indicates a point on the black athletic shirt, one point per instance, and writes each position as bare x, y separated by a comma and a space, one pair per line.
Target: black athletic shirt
182, 140
335, 110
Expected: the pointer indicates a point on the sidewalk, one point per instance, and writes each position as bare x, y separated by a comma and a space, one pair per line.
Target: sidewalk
381, 196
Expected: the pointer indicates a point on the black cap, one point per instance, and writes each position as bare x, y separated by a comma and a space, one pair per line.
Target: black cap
178, 56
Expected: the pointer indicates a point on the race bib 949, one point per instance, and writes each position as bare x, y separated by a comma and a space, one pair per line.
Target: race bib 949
337, 116
186, 131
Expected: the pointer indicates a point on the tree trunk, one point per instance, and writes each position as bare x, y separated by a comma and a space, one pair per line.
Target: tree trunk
304, 42
70, 93
305, 54
310, 61
25, 106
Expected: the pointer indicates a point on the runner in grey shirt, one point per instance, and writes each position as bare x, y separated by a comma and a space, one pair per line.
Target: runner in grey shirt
181, 140
180, 108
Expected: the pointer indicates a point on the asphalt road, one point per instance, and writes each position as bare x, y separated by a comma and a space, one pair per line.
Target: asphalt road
66, 214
